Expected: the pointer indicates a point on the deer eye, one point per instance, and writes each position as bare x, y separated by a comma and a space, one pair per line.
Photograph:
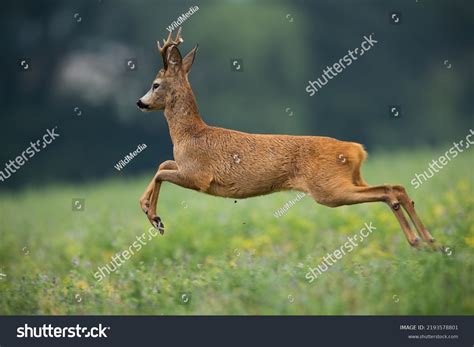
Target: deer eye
155, 85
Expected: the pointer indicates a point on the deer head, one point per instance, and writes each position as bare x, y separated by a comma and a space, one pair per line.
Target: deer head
172, 80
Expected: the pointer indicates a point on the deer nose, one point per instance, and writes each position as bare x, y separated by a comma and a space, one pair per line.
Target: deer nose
141, 104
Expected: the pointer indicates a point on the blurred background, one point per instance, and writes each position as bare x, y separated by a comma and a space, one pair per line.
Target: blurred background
79, 78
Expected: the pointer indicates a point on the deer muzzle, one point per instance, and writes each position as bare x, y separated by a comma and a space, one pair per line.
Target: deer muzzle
141, 104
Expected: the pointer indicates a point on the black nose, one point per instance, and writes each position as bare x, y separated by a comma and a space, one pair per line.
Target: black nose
141, 104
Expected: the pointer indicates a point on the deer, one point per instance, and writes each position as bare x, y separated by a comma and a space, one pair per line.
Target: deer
238, 165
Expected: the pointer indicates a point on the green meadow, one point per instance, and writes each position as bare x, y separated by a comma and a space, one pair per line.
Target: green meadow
234, 257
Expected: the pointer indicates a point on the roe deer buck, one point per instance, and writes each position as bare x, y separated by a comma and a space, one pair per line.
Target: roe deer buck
205, 156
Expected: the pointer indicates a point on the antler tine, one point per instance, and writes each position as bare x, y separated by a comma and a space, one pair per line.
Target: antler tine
169, 41
179, 38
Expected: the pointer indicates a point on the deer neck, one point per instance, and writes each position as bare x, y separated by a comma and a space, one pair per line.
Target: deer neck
182, 114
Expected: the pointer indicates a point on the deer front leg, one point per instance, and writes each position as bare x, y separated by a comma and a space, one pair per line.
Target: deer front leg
145, 199
176, 177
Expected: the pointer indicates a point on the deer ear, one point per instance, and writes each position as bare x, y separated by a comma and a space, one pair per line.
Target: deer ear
189, 59
173, 57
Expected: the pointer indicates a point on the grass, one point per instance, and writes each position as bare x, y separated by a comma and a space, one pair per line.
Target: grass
224, 257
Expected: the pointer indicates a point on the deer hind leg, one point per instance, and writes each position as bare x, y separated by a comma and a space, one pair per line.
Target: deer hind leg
358, 156
409, 206
350, 194
357, 177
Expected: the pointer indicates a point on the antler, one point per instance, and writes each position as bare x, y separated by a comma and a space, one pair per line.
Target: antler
169, 42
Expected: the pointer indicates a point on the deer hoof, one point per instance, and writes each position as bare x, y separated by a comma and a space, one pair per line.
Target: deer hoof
416, 243
396, 206
158, 224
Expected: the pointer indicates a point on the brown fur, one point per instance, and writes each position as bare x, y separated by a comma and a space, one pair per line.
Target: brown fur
235, 164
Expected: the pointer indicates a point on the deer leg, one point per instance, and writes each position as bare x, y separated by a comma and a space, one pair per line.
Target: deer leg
349, 195
409, 206
145, 199
357, 177
165, 175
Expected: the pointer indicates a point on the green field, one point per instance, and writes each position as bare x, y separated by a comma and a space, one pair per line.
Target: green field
219, 256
